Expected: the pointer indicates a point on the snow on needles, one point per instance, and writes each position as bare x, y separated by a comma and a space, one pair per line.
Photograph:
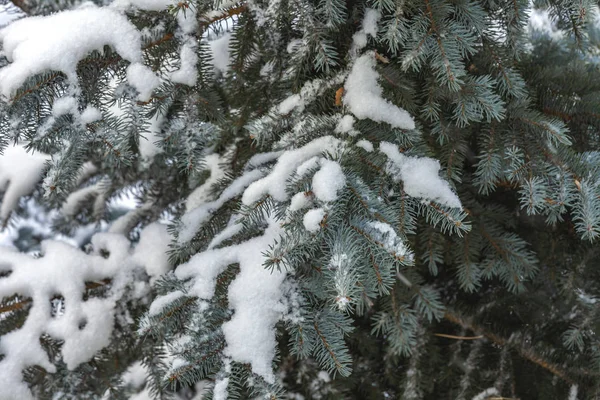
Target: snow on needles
420, 176
59, 41
254, 295
274, 183
363, 96
84, 326
18, 182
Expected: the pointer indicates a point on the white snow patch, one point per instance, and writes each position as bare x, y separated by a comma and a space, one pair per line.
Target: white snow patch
363, 96
151, 250
328, 181
148, 143
90, 114
193, 219
202, 194
369, 27
161, 302
62, 270
486, 394
148, 5
420, 176
291, 102
59, 41
255, 296
573, 391
274, 183
345, 125
64, 105
220, 53
312, 219
220, 389
18, 182
299, 201
365, 145
143, 80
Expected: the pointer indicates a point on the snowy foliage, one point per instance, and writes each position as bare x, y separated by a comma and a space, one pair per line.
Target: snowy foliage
318, 191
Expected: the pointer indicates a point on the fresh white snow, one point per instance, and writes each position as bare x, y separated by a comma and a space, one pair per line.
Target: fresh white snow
363, 94
18, 182
420, 176
312, 219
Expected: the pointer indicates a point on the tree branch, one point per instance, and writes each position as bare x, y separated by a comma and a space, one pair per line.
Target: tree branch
526, 353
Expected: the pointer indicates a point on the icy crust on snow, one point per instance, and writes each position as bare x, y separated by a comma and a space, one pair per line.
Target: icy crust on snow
420, 176
20, 171
59, 41
85, 326
363, 96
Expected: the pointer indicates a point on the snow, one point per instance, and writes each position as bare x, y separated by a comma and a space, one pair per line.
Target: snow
90, 114
328, 181
274, 183
220, 52
135, 376
312, 219
151, 250
573, 392
143, 80
420, 176
148, 5
220, 389
540, 21
18, 182
384, 234
148, 146
64, 105
187, 73
59, 41
74, 201
308, 165
62, 270
161, 302
369, 27
254, 296
487, 393
324, 376
299, 201
202, 194
365, 145
193, 219
345, 125
363, 94
289, 104
309, 92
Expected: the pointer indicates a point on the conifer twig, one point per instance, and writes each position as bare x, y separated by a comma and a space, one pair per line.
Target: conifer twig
528, 354
445, 335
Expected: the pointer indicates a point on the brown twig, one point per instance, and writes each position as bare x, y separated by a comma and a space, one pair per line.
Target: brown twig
526, 353
444, 335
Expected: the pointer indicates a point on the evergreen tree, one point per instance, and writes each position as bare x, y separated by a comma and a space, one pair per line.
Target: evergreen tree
333, 200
